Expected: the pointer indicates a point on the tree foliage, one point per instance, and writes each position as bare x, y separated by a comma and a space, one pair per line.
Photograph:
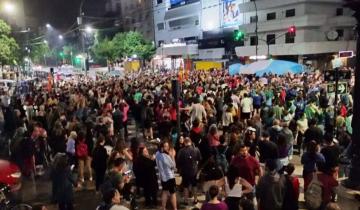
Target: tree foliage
39, 51
105, 49
124, 45
9, 48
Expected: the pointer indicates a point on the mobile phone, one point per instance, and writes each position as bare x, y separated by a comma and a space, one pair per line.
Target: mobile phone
126, 173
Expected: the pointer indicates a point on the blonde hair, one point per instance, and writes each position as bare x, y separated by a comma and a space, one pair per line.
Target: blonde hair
73, 135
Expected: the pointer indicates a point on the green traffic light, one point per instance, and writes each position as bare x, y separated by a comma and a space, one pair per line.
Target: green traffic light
238, 35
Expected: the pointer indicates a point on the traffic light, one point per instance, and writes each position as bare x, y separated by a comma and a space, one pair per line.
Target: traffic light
238, 35
292, 31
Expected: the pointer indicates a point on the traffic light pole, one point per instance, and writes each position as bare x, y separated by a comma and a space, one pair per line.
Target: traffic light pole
336, 100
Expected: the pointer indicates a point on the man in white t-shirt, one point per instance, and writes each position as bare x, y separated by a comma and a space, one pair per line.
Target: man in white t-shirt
246, 107
197, 111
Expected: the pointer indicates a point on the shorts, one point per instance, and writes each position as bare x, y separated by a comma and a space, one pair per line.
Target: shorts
169, 185
245, 116
188, 181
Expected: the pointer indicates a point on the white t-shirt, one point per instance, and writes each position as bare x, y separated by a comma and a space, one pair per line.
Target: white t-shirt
118, 207
197, 111
246, 105
236, 191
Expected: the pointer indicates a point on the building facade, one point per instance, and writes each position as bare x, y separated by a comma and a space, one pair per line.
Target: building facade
204, 28
135, 15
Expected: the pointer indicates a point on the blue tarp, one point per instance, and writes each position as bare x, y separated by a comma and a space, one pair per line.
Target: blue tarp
234, 69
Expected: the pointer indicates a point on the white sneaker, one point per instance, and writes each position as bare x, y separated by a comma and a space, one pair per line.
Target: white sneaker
90, 179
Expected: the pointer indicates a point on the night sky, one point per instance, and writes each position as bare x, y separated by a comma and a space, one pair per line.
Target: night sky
62, 13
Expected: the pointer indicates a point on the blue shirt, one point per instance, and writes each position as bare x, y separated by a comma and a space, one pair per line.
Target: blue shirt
70, 146
166, 166
309, 161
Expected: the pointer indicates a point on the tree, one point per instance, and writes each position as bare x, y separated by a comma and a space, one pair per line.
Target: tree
39, 51
105, 50
135, 44
9, 48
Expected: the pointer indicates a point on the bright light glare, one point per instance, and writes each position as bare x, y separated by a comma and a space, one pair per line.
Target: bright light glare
45, 41
259, 57
61, 37
9, 7
48, 25
89, 29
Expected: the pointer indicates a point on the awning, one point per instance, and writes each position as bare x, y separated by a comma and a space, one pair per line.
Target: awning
183, 11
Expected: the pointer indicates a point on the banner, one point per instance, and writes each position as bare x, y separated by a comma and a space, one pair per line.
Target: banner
231, 13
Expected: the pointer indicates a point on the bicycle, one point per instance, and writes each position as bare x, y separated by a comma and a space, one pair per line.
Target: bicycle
7, 204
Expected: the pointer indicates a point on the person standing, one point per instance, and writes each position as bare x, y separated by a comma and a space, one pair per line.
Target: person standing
145, 172
235, 187
165, 161
63, 183
188, 159
99, 161
82, 153
247, 166
271, 188
246, 107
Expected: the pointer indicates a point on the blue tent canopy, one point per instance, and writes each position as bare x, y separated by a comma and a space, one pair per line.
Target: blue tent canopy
278, 67
235, 69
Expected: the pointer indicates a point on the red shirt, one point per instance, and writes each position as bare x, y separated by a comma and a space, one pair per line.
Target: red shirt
329, 183
247, 167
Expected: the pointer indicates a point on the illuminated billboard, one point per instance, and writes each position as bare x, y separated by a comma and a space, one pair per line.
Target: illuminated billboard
231, 13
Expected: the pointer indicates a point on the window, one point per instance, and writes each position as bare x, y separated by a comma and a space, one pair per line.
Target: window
271, 16
290, 13
159, 1
160, 26
270, 38
340, 32
253, 40
253, 19
339, 11
289, 38
196, 22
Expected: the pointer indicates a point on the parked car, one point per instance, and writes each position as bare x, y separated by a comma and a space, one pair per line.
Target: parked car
10, 175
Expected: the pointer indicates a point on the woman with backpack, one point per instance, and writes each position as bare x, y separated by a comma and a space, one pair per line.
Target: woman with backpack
82, 153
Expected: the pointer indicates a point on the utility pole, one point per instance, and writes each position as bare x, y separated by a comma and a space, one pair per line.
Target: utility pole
256, 30
80, 21
354, 177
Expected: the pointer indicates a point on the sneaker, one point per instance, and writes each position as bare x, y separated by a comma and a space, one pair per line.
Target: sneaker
82, 180
90, 179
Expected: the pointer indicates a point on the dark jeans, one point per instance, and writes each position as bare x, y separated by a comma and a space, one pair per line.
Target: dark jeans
99, 179
150, 195
233, 203
66, 206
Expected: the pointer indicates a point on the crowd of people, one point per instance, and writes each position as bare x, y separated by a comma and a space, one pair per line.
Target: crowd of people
238, 136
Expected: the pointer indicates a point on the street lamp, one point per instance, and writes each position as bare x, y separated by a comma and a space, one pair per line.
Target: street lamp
88, 29
48, 25
45, 41
61, 37
9, 7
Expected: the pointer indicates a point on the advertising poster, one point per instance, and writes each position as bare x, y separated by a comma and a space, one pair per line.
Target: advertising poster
231, 13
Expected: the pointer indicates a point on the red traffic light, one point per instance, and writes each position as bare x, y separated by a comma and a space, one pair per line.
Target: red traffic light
292, 30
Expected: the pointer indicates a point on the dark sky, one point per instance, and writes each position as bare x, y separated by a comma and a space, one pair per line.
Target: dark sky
62, 13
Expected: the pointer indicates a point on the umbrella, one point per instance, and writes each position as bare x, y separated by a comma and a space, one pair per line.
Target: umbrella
235, 69
278, 67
